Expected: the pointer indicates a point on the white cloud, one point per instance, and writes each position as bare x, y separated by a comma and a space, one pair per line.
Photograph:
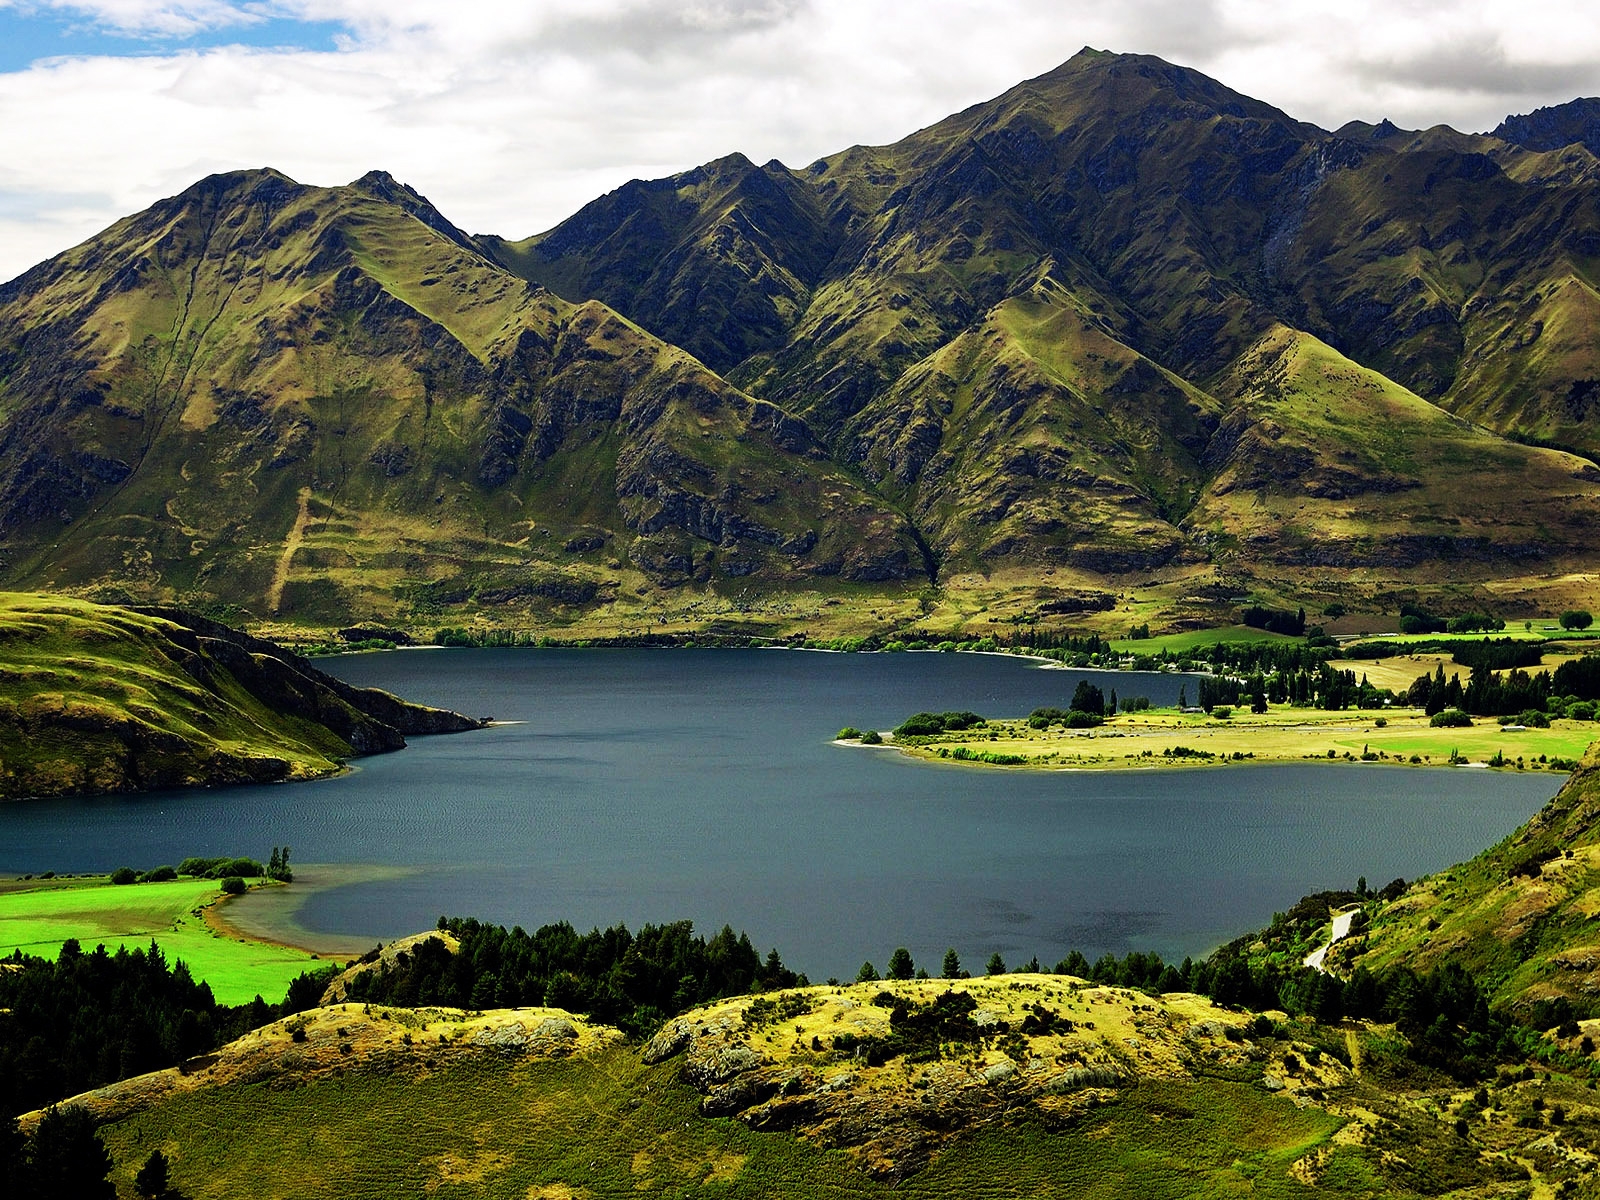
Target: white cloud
509, 116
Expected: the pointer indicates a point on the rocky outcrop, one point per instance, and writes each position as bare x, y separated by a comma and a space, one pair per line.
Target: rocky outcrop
844, 1067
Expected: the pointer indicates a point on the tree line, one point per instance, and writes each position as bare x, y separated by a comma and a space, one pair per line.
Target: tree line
634, 981
91, 1018
1560, 693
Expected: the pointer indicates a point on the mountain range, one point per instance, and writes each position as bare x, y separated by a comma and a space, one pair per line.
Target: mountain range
1120, 328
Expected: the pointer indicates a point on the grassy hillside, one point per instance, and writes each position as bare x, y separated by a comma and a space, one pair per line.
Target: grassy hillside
1520, 916
95, 698
1154, 1096
1122, 318
321, 404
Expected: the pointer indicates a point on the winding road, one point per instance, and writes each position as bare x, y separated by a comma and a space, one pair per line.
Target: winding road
1341, 929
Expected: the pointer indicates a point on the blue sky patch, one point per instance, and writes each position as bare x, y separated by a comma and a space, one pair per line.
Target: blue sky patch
26, 36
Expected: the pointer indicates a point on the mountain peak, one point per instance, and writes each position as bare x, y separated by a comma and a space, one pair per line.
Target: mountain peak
383, 186
246, 185
1126, 83
1560, 125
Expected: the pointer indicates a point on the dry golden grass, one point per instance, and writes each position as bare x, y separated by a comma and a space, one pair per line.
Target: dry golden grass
1149, 739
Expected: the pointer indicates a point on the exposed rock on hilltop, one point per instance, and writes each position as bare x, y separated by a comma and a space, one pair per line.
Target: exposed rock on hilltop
101, 699
1574, 123
857, 1067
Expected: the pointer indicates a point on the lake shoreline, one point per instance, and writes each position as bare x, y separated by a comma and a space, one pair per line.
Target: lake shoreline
269, 915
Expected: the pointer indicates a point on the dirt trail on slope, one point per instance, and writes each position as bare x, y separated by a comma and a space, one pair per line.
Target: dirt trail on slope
291, 544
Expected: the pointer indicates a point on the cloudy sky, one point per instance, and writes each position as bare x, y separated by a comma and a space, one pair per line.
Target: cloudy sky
511, 115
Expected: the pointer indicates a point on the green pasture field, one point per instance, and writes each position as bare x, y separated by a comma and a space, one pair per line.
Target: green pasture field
605, 1125
37, 916
1196, 638
1515, 633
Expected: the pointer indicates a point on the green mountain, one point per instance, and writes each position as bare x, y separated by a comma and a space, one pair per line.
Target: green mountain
309, 402
95, 698
1122, 315
1119, 327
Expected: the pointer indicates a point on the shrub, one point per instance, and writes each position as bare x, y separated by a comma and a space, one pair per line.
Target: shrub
220, 868
1534, 718
1449, 718
233, 885
925, 724
848, 734
962, 754
872, 738
1582, 710
1501, 654
1078, 719
152, 1177
247, 868
159, 875
124, 875
1418, 620
1474, 623
1274, 620
1380, 722
1221, 712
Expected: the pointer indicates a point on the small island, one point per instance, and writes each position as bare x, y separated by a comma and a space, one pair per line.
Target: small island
1141, 736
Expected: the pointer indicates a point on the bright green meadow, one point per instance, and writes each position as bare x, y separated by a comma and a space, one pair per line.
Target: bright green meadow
40, 918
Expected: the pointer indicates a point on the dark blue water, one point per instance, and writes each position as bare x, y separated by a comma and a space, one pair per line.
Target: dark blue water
657, 785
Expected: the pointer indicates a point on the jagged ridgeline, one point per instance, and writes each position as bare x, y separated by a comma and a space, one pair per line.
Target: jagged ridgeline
1118, 319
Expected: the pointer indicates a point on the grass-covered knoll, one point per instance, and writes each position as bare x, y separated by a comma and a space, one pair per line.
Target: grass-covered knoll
1520, 916
557, 1109
97, 698
604, 1125
38, 916
1084, 1090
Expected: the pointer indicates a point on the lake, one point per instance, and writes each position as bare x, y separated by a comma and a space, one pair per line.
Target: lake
657, 785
